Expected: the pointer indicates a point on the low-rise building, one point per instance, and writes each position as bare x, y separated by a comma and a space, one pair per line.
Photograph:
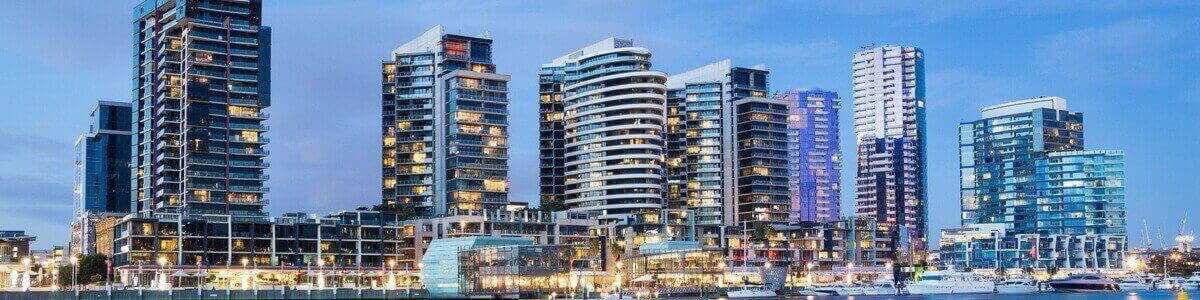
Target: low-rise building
993, 246
15, 261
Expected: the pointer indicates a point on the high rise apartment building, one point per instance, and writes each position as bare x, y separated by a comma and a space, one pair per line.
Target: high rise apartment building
445, 125
889, 125
814, 154
200, 87
608, 159
1023, 164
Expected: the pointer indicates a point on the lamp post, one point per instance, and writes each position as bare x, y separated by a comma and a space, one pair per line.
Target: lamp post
808, 273
391, 276
74, 275
163, 278
25, 280
245, 273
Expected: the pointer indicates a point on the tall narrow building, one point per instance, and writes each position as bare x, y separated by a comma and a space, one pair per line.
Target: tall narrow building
704, 131
889, 125
1023, 164
200, 87
445, 125
102, 161
611, 146
814, 155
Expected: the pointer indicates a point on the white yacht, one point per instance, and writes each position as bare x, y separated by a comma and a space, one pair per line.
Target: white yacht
1169, 284
950, 282
1192, 283
750, 292
1136, 283
1017, 286
1084, 283
881, 286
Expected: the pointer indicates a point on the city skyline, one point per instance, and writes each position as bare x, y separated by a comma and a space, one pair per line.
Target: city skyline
314, 150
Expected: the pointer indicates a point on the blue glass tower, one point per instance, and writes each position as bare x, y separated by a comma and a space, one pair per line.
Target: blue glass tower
814, 157
102, 161
1023, 164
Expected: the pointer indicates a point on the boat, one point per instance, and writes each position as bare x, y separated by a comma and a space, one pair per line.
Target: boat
950, 282
1192, 283
1084, 283
1136, 283
881, 286
1169, 284
750, 292
1017, 286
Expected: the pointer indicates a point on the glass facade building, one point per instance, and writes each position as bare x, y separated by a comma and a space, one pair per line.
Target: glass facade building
700, 138
102, 161
889, 125
445, 125
1023, 164
200, 87
612, 120
814, 155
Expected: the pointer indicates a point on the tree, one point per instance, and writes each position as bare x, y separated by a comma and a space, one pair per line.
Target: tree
93, 268
403, 211
553, 205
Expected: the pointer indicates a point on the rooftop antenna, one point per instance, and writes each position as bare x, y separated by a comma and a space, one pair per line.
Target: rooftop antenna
487, 34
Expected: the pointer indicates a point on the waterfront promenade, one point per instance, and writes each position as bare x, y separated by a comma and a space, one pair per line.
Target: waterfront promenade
218, 294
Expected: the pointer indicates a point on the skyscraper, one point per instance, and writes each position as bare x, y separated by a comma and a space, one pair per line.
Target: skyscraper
201, 83
814, 154
1023, 164
889, 124
102, 161
702, 134
445, 125
612, 119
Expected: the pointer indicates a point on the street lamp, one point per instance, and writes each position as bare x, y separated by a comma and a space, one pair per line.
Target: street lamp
162, 265
245, 275
75, 274
391, 276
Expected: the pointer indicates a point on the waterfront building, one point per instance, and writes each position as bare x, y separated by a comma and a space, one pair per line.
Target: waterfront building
814, 155
200, 87
613, 113
15, 260
102, 161
291, 245
524, 271
683, 268
541, 227
1023, 163
442, 271
445, 125
889, 126
990, 247
715, 131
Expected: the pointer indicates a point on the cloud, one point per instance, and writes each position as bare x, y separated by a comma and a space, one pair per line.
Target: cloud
1139, 51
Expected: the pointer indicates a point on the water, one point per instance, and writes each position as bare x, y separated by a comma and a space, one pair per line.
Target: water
1078, 296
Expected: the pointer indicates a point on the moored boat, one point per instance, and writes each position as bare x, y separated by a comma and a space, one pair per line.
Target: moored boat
950, 282
1136, 283
1017, 286
1084, 283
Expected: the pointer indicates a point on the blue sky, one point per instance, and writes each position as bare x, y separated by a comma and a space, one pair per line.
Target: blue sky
1129, 66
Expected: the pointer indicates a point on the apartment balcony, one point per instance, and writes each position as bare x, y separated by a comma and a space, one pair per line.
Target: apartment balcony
251, 127
249, 152
205, 161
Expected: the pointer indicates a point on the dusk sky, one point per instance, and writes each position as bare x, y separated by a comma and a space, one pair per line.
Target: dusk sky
1129, 67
